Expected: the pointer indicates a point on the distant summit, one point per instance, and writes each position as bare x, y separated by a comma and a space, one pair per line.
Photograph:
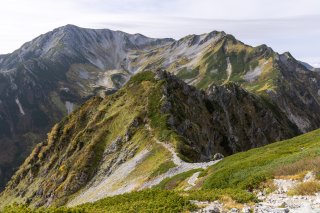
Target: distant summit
54, 74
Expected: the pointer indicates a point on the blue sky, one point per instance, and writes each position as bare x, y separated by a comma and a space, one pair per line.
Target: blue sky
285, 25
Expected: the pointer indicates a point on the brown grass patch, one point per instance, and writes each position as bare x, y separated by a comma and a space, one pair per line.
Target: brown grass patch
229, 203
298, 169
298, 176
306, 188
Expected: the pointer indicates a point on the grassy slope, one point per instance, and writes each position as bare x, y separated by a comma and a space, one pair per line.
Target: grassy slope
247, 170
212, 66
231, 177
86, 133
75, 146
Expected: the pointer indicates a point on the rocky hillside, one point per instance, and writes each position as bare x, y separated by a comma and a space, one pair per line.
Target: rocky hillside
155, 127
280, 177
49, 76
219, 58
309, 67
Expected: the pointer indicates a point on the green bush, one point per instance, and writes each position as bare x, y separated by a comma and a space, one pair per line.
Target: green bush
238, 195
142, 201
173, 182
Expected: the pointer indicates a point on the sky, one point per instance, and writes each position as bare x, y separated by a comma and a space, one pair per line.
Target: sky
284, 25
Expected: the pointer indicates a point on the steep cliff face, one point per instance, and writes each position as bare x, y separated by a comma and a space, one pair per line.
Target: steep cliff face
298, 93
113, 145
248, 120
224, 119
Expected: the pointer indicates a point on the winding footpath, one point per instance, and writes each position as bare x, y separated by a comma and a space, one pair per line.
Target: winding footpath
181, 166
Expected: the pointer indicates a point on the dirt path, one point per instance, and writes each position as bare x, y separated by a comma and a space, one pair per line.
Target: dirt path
181, 167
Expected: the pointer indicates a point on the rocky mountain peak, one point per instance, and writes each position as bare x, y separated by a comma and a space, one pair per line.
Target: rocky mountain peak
50, 76
198, 40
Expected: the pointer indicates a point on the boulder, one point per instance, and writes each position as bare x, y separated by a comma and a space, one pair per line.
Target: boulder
217, 156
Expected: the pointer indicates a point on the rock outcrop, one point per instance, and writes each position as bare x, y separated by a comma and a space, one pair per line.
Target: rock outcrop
111, 145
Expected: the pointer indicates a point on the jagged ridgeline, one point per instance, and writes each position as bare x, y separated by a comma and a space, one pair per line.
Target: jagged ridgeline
219, 58
115, 144
50, 76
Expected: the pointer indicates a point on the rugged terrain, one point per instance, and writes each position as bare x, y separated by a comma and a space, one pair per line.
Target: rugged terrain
48, 77
218, 58
217, 97
280, 177
116, 144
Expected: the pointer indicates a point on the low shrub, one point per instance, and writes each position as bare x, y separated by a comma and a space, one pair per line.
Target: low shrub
238, 195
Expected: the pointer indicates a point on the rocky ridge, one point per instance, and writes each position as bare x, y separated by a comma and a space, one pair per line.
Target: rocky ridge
48, 77
87, 156
251, 96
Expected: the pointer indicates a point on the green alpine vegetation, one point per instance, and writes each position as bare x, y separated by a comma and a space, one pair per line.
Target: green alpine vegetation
100, 135
94, 151
236, 176
144, 201
248, 170
52, 75
139, 124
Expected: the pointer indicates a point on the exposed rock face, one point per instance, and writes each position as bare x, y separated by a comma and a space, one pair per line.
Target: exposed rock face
49, 76
219, 59
249, 118
225, 119
107, 146
309, 67
297, 95
217, 156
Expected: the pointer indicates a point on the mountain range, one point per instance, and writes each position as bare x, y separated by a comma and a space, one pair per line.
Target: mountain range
119, 105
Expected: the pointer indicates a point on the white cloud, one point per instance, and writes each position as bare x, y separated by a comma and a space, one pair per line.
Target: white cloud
286, 25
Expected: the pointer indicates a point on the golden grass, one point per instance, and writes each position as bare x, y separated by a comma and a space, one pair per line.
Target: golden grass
298, 176
267, 68
298, 168
306, 188
238, 47
229, 203
265, 87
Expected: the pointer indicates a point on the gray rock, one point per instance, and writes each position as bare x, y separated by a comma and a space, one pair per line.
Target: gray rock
166, 107
135, 123
114, 146
234, 210
246, 210
217, 156
215, 210
309, 177
128, 136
